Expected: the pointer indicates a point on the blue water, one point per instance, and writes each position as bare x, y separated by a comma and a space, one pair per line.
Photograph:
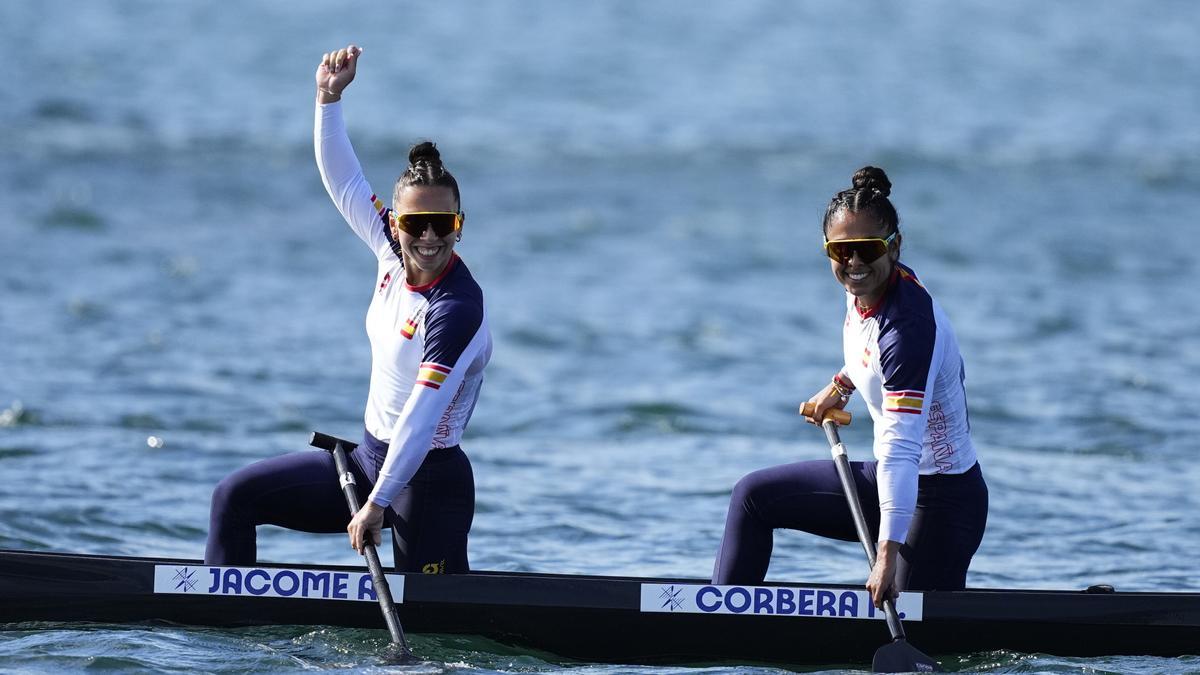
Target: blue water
644, 183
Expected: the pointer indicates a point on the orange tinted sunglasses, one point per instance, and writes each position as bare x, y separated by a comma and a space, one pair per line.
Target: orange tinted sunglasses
868, 250
414, 223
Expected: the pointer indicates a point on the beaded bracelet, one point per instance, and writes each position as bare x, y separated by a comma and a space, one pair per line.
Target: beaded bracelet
843, 391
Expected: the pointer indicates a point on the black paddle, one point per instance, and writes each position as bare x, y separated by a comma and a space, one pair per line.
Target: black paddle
336, 447
898, 656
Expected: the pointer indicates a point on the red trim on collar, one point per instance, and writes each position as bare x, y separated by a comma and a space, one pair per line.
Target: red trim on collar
870, 311
424, 287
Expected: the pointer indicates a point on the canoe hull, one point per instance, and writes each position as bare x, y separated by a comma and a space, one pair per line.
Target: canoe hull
604, 619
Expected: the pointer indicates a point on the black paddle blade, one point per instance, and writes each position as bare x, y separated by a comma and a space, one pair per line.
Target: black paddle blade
398, 655
901, 657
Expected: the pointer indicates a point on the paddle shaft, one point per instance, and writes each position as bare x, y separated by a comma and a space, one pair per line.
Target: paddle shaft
390, 616
860, 521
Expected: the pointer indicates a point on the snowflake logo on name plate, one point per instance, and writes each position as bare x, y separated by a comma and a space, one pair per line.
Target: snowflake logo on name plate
670, 597
185, 579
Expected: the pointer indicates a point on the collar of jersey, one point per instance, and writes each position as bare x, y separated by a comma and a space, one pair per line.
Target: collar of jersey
424, 287
868, 313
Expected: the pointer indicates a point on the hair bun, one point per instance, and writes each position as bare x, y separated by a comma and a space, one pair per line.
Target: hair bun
425, 168
425, 152
873, 178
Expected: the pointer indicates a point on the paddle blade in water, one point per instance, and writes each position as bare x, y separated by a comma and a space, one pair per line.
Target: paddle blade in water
398, 655
901, 657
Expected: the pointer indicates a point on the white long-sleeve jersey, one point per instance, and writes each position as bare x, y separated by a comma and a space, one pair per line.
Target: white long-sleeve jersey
903, 358
429, 344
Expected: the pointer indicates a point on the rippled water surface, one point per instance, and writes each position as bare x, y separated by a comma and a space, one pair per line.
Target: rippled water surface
644, 183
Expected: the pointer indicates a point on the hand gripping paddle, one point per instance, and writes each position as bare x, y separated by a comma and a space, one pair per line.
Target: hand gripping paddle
336, 447
898, 656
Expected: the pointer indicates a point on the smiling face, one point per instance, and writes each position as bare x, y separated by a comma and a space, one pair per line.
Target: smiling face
866, 281
427, 256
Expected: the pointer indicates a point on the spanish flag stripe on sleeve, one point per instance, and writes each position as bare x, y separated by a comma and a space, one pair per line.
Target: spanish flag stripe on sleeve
432, 375
904, 401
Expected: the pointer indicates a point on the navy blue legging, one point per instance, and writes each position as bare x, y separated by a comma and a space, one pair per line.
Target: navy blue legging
430, 518
945, 532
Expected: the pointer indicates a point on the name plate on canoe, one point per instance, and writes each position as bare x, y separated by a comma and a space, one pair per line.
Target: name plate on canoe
832, 603
272, 582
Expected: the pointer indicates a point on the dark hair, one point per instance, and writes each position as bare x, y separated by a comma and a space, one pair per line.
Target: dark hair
425, 168
869, 194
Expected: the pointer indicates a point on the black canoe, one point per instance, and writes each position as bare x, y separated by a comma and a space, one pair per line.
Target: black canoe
594, 618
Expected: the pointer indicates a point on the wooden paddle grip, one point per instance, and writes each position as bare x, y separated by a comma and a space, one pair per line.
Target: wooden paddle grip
839, 416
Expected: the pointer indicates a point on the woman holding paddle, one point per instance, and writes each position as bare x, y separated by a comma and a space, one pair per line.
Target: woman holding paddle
924, 495
430, 343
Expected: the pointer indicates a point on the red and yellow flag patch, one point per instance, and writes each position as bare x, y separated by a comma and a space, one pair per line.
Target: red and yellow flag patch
410, 328
432, 374
904, 401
